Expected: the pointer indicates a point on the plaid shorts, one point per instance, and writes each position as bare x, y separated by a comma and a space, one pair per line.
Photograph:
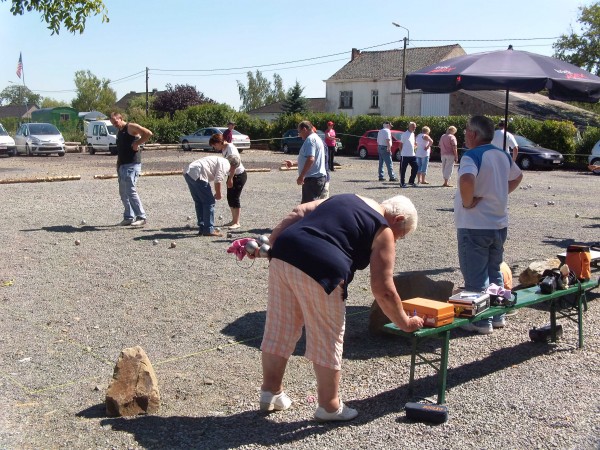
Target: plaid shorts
296, 300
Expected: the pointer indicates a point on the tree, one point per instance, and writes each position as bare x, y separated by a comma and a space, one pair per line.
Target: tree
294, 101
259, 91
582, 50
93, 93
49, 102
178, 98
17, 94
71, 14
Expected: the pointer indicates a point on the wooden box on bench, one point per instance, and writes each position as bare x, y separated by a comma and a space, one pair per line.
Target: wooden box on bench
434, 312
469, 304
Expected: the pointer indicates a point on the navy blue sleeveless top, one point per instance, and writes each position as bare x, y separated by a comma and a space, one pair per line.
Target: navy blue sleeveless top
332, 242
125, 152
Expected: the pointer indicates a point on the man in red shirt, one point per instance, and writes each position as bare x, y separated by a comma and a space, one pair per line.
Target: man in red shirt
228, 133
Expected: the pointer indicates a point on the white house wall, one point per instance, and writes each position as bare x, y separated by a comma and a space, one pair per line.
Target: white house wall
389, 97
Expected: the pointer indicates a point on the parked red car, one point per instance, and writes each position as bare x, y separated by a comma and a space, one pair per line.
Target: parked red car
367, 144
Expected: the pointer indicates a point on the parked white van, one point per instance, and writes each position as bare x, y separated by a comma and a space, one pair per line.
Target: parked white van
594, 157
102, 137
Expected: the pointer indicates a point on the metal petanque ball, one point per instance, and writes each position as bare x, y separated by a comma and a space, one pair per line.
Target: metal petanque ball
220, 217
77, 242
155, 241
576, 215
83, 222
251, 247
535, 204
189, 217
173, 245
263, 239
263, 251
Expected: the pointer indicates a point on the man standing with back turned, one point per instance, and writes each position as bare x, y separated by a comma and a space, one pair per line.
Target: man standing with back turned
486, 176
384, 151
129, 166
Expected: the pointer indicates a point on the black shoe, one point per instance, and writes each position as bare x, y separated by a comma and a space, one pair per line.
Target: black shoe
382, 179
393, 179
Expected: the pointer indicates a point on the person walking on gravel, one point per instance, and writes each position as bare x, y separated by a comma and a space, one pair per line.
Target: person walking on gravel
314, 253
129, 167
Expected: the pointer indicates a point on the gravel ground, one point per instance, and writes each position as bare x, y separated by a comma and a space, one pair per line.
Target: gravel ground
199, 315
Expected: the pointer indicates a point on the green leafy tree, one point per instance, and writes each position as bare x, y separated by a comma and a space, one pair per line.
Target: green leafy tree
93, 93
259, 91
17, 94
583, 49
70, 14
49, 102
178, 98
137, 107
294, 101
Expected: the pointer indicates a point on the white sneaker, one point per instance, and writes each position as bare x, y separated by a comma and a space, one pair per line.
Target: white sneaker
499, 322
274, 402
138, 223
342, 414
481, 329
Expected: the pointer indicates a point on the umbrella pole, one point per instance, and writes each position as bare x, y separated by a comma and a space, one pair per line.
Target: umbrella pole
505, 121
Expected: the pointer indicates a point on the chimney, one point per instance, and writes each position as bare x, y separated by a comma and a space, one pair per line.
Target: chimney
355, 53
154, 91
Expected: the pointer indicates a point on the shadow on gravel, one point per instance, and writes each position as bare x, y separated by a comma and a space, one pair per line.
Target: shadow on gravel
250, 428
167, 233
70, 228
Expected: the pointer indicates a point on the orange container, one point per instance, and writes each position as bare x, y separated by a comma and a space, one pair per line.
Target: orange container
434, 313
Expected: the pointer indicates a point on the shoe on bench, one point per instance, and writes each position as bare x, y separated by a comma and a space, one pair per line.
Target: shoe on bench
274, 402
343, 413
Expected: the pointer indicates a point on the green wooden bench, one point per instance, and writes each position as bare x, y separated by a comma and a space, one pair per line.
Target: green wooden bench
559, 306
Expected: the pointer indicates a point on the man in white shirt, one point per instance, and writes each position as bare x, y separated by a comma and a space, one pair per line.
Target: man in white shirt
511, 142
384, 150
407, 152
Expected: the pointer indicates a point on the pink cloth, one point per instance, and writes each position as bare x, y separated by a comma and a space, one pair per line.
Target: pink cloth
238, 247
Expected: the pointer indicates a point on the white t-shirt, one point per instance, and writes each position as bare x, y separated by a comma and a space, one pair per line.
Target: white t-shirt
498, 140
209, 168
231, 150
493, 170
384, 136
408, 143
423, 147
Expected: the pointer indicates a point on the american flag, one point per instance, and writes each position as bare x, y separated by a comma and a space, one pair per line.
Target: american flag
20, 65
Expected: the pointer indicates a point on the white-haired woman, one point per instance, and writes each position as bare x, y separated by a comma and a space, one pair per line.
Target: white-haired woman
315, 251
423, 143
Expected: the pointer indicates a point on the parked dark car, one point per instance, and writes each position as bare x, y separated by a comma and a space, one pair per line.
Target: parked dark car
367, 144
291, 142
533, 156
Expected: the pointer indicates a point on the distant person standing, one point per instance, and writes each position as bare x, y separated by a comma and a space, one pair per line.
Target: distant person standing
423, 143
312, 171
228, 133
449, 154
330, 142
408, 158
235, 183
511, 142
384, 151
129, 167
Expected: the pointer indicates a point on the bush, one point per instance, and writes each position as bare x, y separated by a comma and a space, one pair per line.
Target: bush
588, 139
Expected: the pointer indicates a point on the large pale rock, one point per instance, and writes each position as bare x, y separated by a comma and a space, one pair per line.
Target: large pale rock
410, 285
533, 274
134, 387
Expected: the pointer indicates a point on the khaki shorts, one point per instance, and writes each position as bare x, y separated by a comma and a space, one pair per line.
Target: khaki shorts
296, 300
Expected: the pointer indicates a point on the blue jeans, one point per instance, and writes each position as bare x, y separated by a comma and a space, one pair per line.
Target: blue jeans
480, 253
385, 157
128, 175
204, 201
422, 163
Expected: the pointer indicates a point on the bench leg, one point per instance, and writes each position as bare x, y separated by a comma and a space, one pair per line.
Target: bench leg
442, 376
413, 360
581, 300
553, 304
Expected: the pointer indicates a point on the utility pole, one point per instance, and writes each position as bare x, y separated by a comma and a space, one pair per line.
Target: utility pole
146, 92
403, 94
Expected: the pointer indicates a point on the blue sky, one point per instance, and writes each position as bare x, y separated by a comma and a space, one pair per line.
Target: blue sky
240, 35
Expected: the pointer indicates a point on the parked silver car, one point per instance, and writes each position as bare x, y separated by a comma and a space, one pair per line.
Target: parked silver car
199, 139
39, 139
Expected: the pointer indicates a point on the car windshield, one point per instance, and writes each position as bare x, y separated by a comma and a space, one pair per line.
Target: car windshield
3, 131
397, 135
43, 129
522, 141
112, 130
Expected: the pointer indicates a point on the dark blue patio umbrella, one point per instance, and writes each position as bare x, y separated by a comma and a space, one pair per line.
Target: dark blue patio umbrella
510, 70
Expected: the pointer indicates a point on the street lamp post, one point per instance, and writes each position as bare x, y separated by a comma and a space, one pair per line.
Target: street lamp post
406, 41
